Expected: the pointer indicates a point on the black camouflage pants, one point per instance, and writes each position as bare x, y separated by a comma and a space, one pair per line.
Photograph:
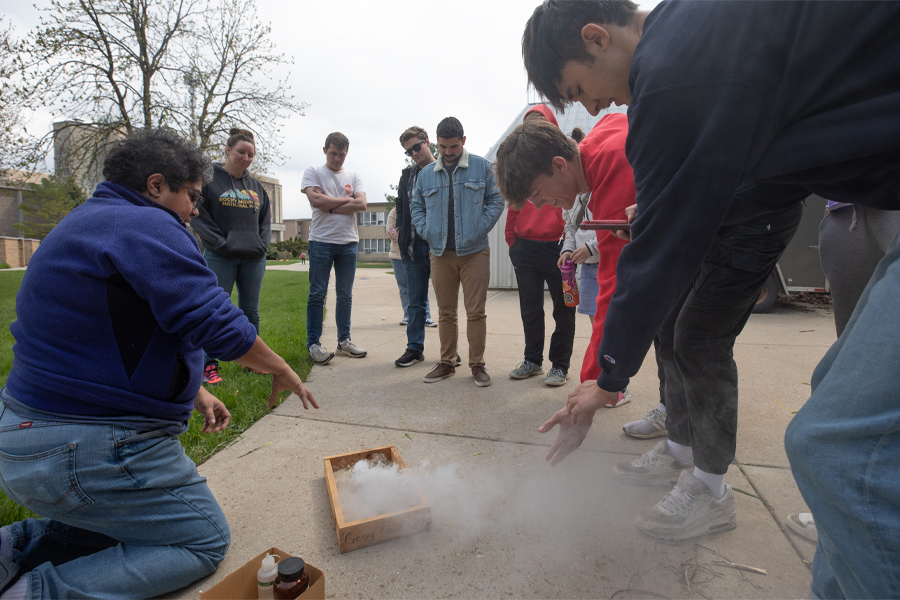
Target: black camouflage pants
696, 344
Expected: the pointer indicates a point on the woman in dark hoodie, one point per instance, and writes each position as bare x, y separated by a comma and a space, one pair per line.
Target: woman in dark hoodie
235, 227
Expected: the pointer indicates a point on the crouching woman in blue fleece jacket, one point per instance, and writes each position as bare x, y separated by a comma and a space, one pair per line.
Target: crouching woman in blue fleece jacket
114, 312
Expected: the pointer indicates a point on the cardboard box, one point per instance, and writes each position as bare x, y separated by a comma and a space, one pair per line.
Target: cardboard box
382, 528
241, 585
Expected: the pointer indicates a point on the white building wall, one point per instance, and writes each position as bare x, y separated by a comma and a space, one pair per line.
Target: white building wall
502, 274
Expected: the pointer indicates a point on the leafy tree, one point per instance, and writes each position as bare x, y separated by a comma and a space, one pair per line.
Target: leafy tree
14, 139
294, 245
46, 204
392, 198
194, 66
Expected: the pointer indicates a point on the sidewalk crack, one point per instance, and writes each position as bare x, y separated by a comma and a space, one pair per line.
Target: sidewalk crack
454, 435
771, 510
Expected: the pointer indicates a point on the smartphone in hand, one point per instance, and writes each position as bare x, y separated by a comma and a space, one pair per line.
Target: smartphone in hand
606, 225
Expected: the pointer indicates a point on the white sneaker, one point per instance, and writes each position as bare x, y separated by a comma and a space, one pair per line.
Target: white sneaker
689, 511
804, 524
320, 355
348, 348
652, 425
656, 467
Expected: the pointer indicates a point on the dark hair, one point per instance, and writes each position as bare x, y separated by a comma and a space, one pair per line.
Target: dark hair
150, 151
450, 128
236, 135
526, 154
413, 132
553, 37
577, 134
339, 140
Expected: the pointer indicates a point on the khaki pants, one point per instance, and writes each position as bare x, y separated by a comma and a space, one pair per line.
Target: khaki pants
473, 271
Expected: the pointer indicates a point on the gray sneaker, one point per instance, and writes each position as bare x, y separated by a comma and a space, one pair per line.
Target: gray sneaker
348, 348
652, 425
556, 377
320, 355
525, 369
688, 511
656, 467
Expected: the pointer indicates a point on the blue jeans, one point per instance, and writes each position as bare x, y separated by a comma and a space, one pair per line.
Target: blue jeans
248, 274
418, 273
844, 448
400, 276
126, 513
322, 256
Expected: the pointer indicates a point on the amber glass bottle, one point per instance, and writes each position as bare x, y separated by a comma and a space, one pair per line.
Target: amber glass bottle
292, 579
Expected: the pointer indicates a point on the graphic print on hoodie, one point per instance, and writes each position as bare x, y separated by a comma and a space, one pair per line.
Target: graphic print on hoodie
240, 199
234, 219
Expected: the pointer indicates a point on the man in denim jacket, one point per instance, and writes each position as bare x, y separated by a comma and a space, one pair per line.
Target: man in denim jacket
455, 206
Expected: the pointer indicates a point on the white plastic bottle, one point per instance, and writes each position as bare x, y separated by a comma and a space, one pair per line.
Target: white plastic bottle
265, 577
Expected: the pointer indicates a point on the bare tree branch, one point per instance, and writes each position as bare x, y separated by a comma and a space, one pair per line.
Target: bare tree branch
110, 66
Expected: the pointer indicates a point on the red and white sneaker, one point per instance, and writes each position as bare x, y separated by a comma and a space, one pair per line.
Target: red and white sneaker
624, 398
211, 375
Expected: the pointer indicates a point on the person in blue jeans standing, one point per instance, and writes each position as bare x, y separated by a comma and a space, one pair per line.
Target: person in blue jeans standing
234, 225
91, 412
400, 271
413, 249
336, 195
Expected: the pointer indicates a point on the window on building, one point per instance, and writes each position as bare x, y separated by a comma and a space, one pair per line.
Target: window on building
372, 246
371, 218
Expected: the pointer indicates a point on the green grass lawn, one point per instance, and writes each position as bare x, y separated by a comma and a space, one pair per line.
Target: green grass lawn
9, 285
282, 309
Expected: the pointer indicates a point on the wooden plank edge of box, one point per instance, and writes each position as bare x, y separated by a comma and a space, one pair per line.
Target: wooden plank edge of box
241, 584
380, 528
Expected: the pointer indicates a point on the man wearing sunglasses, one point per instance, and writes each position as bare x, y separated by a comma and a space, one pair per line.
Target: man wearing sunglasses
413, 248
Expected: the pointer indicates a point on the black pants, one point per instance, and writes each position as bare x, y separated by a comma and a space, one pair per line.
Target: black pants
535, 263
696, 343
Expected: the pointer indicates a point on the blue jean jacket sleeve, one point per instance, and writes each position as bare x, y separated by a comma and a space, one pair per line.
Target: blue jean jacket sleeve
493, 202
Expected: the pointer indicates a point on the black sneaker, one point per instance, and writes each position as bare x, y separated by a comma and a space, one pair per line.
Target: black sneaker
409, 358
458, 360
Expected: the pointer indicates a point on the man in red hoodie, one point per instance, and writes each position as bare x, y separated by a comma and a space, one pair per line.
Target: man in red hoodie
535, 239
598, 165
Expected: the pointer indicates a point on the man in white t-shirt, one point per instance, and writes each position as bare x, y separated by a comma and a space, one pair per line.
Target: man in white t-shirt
336, 195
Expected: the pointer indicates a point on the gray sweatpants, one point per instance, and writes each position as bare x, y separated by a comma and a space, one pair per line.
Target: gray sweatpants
852, 241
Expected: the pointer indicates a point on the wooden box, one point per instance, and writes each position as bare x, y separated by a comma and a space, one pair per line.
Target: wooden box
375, 530
241, 585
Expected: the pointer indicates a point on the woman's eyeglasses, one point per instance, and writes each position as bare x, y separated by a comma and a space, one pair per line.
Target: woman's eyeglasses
196, 197
414, 148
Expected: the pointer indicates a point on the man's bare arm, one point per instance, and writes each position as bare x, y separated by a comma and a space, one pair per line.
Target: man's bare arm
357, 204
319, 200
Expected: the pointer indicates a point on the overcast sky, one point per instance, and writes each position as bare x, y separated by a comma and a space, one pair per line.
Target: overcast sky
372, 69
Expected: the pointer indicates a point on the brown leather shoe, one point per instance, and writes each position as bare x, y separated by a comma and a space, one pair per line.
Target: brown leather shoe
440, 371
482, 379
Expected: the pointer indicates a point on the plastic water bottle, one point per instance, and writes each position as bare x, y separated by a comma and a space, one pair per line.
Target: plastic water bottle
265, 577
570, 283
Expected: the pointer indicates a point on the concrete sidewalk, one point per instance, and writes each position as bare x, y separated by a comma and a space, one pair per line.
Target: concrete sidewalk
512, 525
